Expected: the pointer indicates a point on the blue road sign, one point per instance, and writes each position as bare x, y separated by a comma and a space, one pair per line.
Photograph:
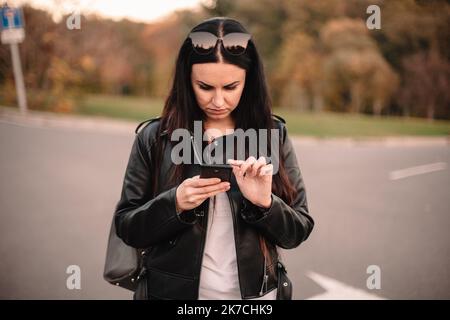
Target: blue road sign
11, 18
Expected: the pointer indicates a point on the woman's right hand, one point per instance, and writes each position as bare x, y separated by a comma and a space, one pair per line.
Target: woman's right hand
193, 191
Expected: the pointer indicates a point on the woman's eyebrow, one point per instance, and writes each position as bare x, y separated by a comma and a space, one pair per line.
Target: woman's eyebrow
208, 85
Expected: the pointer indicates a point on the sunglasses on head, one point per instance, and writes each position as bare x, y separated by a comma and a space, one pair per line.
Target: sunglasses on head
234, 43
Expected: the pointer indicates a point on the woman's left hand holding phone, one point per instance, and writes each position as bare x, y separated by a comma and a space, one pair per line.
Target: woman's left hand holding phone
193, 191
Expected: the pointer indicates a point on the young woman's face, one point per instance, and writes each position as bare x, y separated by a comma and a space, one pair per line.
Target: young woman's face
218, 88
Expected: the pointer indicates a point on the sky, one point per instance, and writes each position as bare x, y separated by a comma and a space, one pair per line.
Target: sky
137, 10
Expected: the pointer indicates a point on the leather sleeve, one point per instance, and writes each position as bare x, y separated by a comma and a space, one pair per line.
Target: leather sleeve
142, 220
284, 225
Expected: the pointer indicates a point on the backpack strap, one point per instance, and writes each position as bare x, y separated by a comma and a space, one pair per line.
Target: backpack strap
279, 118
280, 126
143, 122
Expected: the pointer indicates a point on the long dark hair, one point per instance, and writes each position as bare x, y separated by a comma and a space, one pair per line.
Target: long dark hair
254, 108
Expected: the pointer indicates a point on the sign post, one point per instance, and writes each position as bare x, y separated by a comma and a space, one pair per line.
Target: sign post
13, 33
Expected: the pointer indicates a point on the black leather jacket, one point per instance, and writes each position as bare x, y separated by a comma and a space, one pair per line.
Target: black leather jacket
175, 242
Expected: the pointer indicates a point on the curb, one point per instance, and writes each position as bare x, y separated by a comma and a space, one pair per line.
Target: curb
38, 119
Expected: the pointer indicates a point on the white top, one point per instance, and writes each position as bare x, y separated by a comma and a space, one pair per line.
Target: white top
219, 274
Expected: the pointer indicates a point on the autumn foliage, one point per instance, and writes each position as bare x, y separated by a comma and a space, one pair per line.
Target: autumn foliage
318, 55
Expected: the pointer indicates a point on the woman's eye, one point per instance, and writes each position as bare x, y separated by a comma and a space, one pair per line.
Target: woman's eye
209, 88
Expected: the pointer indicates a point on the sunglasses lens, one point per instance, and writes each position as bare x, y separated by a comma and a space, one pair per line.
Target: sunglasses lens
236, 43
203, 42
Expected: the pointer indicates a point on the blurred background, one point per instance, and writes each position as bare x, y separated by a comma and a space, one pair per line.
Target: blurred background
368, 111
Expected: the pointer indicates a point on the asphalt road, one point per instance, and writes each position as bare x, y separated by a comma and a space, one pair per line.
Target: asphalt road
59, 187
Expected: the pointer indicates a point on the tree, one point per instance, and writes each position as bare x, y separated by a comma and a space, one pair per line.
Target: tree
355, 71
426, 85
417, 47
300, 73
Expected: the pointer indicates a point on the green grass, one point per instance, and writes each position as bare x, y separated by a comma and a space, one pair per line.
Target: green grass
133, 108
325, 124
329, 124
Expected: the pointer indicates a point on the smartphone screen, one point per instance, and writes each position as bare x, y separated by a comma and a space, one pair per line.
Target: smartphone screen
221, 171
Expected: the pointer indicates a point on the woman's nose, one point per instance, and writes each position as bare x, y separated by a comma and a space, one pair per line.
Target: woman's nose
218, 100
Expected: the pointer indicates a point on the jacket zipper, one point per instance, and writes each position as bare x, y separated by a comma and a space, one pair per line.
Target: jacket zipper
235, 244
204, 224
265, 278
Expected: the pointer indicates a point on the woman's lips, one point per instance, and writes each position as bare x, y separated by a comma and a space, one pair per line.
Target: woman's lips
218, 111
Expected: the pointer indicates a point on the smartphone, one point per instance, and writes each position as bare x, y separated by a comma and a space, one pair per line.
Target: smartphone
221, 171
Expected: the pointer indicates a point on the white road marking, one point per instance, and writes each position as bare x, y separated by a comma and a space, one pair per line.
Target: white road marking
413, 171
336, 290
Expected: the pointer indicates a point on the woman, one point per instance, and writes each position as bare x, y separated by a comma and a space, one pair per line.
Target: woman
207, 238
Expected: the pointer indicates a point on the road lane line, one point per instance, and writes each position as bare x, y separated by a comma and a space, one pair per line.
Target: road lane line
414, 171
